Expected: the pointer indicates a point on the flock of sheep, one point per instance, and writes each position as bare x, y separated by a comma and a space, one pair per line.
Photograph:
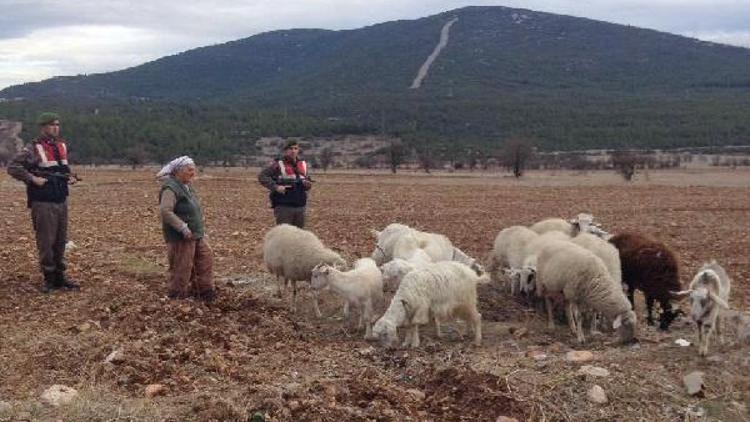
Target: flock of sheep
573, 266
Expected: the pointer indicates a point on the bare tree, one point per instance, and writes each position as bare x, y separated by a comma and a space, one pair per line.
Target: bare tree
516, 155
136, 156
426, 158
326, 158
395, 153
625, 163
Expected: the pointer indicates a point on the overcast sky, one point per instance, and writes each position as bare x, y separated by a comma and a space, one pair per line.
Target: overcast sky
44, 38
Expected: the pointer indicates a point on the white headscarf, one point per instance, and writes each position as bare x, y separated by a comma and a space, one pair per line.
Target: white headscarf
175, 165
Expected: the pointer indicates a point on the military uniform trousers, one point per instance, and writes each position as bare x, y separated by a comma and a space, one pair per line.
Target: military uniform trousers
50, 220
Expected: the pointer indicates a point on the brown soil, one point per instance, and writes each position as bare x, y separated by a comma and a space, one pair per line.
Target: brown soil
247, 354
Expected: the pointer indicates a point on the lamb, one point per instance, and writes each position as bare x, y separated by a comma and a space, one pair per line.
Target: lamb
445, 290
709, 294
291, 254
509, 249
569, 271
583, 223
361, 288
650, 266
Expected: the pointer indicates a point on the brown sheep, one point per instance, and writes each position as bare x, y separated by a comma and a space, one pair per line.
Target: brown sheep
650, 266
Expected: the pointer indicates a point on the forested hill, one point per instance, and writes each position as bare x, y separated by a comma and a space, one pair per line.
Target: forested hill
564, 82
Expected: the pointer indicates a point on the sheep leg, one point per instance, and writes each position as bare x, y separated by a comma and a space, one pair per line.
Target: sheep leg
280, 284
649, 310
415, 337
438, 330
572, 311
719, 328
346, 311
706, 337
367, 315
550, 316
316, 307
293, 308
407, 336
476, 321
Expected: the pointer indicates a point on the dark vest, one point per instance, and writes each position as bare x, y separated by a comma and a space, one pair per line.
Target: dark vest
187, 207
291, 175
52, 164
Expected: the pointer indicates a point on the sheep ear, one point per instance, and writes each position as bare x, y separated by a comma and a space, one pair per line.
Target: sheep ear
681, 294
719, 301
617, 322
408, 309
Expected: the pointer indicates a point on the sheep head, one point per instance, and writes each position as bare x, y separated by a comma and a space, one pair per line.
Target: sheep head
385, 332
625, 324
320, 273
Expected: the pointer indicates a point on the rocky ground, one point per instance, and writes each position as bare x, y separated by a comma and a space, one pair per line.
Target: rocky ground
247, 356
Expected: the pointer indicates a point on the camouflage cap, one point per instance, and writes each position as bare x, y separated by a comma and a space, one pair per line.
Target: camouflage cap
47, 118
290, 144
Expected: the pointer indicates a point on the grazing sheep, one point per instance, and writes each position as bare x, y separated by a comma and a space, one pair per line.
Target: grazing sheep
584, 223
291, 254
460, 256
606, 251
524, 277
386, 240
360, 287
566, 270
553, 224
400, 241
445, 290
395, 270
509, 250
650, 266
436, 246
709, 293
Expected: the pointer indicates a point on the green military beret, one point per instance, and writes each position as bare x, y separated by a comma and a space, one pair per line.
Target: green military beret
290, 144
47, 118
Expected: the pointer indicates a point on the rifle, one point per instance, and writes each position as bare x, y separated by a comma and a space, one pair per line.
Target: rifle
48, 174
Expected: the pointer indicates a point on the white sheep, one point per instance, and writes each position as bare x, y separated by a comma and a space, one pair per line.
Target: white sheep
400, 241
446, 290
509, 250
385, 241
570, 272
553, 224
395, 270
524, 278
709, 294
361, 288
291, 254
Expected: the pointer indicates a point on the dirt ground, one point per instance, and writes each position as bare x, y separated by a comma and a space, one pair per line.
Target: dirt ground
246, 355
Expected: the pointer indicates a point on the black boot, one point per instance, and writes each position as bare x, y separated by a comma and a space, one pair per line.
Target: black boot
50, 283
62, 281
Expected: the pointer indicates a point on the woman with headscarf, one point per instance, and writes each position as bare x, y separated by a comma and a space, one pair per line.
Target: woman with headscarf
190, 257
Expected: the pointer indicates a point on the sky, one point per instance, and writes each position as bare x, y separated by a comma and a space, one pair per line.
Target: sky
40, 39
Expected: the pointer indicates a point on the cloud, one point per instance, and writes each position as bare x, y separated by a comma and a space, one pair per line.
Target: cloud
44, 38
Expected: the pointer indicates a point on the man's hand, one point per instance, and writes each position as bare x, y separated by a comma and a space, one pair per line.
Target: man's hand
38, 180
281, 189
307, 184
72, 179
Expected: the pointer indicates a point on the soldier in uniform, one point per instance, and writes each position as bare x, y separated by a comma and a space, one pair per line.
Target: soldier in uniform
43, 166
288, 181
